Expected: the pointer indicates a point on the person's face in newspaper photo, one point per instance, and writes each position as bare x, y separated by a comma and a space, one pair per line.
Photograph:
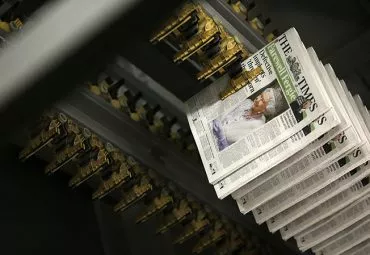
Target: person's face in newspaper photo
248, 115
260, 103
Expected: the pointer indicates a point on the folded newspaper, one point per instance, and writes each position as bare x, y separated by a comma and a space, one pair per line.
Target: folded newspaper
299, 209
334, 224
293, 147
346, 239
326, 176
277, 104
360, 249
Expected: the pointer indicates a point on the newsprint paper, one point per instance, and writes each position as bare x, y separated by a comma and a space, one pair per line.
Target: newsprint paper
345, 239
324, 177
277, 104
334, 224
329, 207
250, 174
360, 249
296, 173
345, 123
345, 182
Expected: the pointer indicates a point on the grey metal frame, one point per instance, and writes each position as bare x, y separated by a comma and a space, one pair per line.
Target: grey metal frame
66, 43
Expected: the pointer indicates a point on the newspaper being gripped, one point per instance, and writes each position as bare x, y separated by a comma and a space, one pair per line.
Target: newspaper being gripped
277, 104
307, 187
360, 249
324, 177
326, 126
286, 163
345, 123
345, 239
334, 224
324, 210
345, 182
288, 177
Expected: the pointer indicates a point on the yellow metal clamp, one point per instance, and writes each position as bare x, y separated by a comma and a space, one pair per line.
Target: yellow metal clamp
134, 195
158, 204
54, 129
70, 152
183, 16
93, 167
230, 50
241, 81
207, 32
118, 177
176, 216
194, 227
210, 239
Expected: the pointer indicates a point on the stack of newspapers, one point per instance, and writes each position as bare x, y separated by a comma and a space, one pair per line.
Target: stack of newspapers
292, 147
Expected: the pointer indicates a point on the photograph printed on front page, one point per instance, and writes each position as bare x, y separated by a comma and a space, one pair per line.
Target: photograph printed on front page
250, 114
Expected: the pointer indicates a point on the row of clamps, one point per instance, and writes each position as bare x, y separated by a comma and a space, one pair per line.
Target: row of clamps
249, 11
201, 37
152, 117
76, 148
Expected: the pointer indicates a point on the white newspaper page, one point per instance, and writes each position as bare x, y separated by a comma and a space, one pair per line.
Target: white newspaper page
336, 223
296, 173
324, 210
345, 239
288, 162
322, 178
262, 164
302, 190
357, 173
273, 107
247, 174
360, 249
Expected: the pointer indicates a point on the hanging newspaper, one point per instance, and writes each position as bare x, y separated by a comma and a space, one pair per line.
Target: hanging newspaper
345, 239
285, 164
296, 173
334, 224
324, 210
360, 249
323, 127
273, 107
345, 123
324, 177
299, 209
336, 203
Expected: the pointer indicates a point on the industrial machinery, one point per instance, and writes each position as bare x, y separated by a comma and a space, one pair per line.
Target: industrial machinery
122, 131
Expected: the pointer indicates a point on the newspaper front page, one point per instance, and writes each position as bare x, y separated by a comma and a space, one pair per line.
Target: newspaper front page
261, 165
360, 249
299, 171
334, 224
273, 107
326, 209
345, 239
345, 182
